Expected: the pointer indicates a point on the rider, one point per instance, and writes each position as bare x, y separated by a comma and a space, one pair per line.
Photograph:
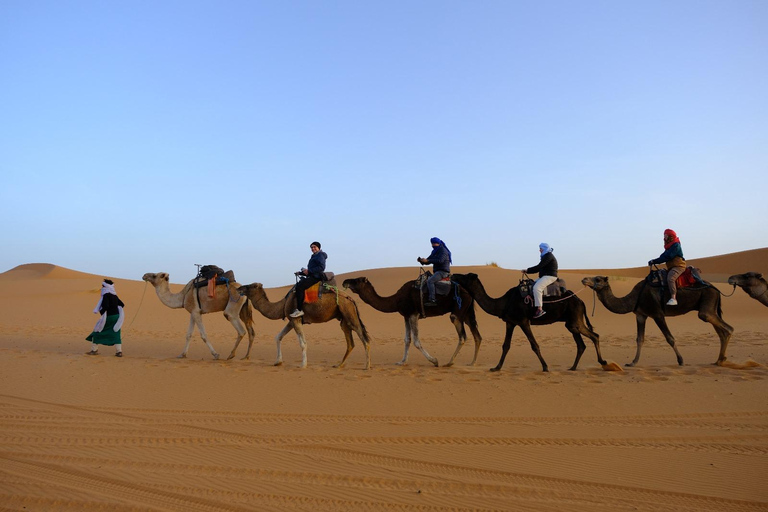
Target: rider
673, 257
441, 260
309, 276
547, 269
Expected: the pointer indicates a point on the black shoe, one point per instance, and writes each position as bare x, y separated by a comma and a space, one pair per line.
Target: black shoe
430, 303
119, 354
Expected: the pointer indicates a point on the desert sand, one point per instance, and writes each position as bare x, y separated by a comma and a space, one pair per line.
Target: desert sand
150, 431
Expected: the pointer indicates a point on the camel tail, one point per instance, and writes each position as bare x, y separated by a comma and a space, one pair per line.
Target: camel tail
246, 313
586, 319
472, 315
362, 325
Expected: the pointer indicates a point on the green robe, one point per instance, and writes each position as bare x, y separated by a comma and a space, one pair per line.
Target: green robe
107, 336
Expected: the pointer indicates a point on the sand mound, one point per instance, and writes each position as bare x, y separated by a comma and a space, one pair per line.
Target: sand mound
41, 271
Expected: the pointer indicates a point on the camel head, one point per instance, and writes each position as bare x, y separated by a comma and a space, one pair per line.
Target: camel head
597, 283
155, 279
748, 279
355, 284
248, 289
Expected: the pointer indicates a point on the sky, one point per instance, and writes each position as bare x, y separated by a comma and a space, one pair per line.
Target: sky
147, 136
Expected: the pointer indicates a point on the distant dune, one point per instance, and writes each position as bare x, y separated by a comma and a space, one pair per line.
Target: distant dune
42, 270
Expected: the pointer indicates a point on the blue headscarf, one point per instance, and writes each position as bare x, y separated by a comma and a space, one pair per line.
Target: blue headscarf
546, 247
435, 240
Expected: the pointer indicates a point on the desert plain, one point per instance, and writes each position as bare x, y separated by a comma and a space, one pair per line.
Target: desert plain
150, 431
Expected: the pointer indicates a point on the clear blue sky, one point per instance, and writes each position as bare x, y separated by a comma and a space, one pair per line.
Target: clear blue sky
148, 136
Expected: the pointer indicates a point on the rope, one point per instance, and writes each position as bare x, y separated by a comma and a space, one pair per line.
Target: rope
734, 291
140, 303
565, 298
335, 289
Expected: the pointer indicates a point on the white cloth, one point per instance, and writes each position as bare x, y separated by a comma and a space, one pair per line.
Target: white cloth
105, 288
538, 289
103, 321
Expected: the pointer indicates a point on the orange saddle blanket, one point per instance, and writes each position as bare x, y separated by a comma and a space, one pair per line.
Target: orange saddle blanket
312, 293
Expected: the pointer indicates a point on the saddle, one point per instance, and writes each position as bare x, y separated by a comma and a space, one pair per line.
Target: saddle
208, 272
690, 277
556, 289
442, 287
314, 292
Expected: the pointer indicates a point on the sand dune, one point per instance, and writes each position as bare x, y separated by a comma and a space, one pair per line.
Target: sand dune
153, 432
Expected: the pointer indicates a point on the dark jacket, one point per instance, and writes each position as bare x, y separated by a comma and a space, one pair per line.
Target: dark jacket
546, 267
316, 265
673, 256
440, 259
109, 303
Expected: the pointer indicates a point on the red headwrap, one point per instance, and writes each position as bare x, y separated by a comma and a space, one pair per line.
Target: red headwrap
668, 233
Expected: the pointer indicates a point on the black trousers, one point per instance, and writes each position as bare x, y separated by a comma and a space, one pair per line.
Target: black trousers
301, 287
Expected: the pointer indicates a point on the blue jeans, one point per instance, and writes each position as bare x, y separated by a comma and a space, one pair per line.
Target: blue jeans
431, 280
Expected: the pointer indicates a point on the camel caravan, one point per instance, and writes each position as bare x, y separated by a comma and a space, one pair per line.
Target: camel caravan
316, 298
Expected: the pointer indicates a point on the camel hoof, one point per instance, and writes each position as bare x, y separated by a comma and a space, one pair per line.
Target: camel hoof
435, 363
495, 369
400, 363
630, 364
231, 356
215, 357
246, 358
182, 356
279, 363
448, 365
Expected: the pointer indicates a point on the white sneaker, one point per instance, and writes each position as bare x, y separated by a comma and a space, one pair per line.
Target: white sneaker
671, 302
296, 313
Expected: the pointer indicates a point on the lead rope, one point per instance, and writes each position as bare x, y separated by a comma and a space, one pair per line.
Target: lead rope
140, 303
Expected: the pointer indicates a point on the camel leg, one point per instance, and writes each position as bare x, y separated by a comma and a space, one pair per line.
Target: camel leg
640, 320
350, 343
459, 325
417, 341
279, 342
478, 340
505, 346
668, 336
723, 330
240, 328
302, 341
200, 327
580, 347
190, 330
406, 341
526, 327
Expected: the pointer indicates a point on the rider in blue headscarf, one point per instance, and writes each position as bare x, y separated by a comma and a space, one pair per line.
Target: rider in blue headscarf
441, 260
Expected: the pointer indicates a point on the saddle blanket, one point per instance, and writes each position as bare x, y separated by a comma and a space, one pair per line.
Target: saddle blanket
314, 292
442, 287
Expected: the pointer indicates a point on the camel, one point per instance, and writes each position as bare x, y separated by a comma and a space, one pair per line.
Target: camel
752, 283
513, 309
407, 302
648, 301
238, 312
329, 305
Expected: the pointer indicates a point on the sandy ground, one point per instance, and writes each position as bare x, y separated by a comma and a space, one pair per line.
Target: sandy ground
150, 431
